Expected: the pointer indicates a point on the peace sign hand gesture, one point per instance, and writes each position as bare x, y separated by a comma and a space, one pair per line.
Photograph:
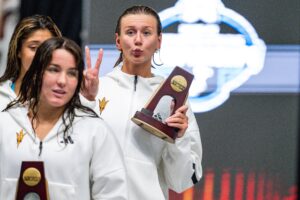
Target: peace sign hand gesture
90, 84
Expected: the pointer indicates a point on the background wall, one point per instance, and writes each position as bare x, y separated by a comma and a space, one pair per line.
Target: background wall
256, 136
276, 22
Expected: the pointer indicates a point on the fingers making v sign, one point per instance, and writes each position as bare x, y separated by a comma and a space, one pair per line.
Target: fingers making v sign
90, 85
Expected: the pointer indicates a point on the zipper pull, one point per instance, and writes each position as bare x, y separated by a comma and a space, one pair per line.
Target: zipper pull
70, 139
135, 82
41, 148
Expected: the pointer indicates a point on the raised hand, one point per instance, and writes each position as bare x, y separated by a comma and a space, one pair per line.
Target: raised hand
90, 84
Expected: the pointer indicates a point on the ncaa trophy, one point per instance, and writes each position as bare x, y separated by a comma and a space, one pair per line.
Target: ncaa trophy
177, 86
32, 184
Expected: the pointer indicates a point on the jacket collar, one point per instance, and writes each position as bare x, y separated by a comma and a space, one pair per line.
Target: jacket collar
19, 114
5, 89
127, 80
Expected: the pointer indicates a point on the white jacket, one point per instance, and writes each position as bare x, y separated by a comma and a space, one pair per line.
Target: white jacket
91, 167
153, 165
6, 94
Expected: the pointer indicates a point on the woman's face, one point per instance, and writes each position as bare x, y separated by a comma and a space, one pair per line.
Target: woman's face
29, 47
138, 39
60, 80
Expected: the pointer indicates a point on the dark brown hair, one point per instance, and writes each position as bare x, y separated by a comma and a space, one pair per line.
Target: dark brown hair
32, 82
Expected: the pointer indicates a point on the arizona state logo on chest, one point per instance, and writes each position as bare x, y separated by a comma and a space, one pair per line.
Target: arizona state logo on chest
102, 104
20, 137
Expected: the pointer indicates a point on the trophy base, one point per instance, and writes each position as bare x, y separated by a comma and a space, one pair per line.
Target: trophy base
155, 127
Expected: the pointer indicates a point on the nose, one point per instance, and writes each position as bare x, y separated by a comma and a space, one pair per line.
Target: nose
138, 38
62, 78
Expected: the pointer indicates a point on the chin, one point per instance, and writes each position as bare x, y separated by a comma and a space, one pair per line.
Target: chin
139, 62
58, 104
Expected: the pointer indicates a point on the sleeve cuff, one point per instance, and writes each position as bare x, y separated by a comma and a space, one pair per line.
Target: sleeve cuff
87, 103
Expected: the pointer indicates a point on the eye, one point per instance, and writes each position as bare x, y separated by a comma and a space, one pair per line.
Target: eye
33, 47
73, 73
130, 32
53, 69
147, 33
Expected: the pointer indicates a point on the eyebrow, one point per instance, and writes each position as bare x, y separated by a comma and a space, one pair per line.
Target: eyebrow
56, 65
33, 41
133, 26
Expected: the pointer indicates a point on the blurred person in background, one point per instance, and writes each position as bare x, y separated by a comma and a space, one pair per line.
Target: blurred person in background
9, 16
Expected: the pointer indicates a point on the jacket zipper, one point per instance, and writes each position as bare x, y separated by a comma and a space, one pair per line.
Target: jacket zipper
135, 82
40, 148
127, 128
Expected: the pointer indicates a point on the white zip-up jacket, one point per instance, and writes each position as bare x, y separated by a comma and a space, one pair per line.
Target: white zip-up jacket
6, 94
90, 166
153, 165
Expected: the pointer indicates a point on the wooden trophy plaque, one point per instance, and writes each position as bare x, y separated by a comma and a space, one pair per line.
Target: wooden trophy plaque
176, 86
32, 183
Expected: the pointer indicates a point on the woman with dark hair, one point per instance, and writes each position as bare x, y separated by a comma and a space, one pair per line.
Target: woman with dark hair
48, 123
27, 36
153, 165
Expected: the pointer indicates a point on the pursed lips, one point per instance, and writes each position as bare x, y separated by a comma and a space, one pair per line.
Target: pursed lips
137, 52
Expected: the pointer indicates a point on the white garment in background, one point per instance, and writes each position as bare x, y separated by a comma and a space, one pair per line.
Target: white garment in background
6, 94
11, 21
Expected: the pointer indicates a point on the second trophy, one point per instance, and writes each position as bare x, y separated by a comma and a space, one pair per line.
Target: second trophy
32, 184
